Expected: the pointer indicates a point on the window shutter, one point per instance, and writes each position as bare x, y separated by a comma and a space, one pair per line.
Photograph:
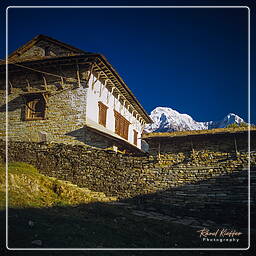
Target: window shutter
102, 113
135, 137
121, 125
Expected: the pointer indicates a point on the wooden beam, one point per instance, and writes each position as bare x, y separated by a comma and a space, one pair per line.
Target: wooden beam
107, 77
112, 89
94, 82
78, 74
90, 73
159, 151
119, 90
124, 102
45, 98
11, 87
235, 146
98, 75
45, 82
28, 85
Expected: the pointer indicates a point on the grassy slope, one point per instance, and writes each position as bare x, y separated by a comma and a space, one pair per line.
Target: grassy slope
28, 188
65, 216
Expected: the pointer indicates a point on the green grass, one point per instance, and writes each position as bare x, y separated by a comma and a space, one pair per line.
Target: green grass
29, 188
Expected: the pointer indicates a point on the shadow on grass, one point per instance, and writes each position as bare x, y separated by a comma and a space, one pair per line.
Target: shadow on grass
114, 225
100, 225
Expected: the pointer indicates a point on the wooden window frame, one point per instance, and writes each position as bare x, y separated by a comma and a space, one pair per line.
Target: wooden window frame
135, 137
103, 109
121, 125
34, 101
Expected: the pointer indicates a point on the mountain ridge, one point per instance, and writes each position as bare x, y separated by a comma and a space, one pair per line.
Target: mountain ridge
166, 119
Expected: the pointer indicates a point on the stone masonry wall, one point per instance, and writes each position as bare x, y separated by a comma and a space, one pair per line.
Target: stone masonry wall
199, 183
65, 108
122, 175
217, 142
61, 119
65, 115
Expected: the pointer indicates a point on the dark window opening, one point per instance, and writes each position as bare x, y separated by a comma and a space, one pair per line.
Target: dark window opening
35, 106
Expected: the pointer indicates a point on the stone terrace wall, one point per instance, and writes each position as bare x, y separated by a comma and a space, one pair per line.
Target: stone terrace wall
217, 142
122, 175
195, 183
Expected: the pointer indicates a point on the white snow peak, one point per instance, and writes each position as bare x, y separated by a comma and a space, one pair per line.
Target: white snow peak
167, 120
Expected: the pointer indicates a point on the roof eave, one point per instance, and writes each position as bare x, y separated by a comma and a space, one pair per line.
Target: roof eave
146, 116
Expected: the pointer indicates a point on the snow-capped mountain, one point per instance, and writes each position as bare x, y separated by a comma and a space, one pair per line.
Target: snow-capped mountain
168, 120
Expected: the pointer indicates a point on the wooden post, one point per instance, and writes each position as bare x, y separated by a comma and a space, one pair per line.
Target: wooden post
98, 77
89, 75
28, 85
159, 151
45, 82
45, 96
78, 74
193, 151
236, 146
93, 83
62, 81
10, 89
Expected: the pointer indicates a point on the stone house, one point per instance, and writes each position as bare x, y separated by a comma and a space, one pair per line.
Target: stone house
58, 93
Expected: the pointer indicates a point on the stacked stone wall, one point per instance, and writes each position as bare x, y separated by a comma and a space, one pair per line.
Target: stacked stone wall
216, 142
65, 113
197, 182
124, 175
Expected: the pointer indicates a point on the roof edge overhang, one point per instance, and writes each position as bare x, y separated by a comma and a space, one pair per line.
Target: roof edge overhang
142, 111
94, 57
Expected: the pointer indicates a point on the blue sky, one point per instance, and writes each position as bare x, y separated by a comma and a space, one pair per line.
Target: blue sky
192, 60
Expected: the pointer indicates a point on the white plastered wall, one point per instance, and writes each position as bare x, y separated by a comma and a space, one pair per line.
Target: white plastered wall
98, 92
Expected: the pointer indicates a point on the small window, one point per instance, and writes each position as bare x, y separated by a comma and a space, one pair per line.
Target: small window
135, 137
102, 114
121, 125
34, 107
